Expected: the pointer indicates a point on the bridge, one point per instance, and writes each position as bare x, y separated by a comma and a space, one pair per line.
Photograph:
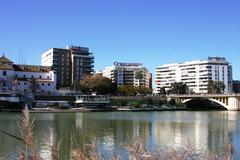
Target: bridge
228, 101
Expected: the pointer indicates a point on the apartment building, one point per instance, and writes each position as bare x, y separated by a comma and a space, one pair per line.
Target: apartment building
196, 74
133, 74
17, 79
70, 64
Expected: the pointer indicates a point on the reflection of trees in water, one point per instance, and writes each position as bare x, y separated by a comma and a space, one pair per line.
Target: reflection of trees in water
220, 128
8, 144
114, 130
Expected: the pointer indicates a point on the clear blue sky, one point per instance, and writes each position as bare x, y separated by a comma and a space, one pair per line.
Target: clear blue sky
153, 32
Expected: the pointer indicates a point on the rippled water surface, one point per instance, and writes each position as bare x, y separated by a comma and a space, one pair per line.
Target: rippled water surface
112, 131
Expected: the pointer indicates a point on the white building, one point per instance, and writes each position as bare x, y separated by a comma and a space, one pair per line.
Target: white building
18, 79
133, 74
196, 74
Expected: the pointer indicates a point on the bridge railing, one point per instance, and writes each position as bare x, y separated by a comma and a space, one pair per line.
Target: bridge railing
202, 95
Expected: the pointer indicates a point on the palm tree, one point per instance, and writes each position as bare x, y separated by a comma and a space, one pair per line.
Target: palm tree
179, 88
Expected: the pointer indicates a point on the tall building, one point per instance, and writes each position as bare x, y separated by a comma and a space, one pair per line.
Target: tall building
196, 74
70, 64
18, 79
133, 74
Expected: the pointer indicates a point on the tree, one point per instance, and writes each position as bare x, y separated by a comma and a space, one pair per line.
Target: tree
126, 90
236, 86
163, 91
97, 84
215, 87
219, 87
139, 75
210, 86
179, 88
34, 86
143, 90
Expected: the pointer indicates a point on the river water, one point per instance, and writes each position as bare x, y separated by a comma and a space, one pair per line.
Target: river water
112, 131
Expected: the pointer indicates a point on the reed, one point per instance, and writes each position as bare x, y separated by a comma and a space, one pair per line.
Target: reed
26, 125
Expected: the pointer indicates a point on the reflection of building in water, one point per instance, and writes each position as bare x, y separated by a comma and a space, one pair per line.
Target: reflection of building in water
221, 129
180, 131
79, 120
136, 129
44, 148
200, 131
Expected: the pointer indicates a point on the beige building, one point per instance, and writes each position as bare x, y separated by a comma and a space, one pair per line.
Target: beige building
132, 74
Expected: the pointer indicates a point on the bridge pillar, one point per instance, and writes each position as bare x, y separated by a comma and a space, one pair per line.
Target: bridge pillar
233, 103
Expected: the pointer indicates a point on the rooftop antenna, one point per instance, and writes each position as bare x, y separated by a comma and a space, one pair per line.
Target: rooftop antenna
25, 58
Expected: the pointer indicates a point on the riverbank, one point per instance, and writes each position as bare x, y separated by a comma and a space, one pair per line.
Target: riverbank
105, 109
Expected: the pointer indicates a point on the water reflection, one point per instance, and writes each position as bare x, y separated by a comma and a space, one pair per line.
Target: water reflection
112, 131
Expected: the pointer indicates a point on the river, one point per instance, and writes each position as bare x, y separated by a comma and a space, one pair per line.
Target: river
112, 131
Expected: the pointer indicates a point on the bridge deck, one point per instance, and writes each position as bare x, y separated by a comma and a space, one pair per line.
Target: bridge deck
204, 96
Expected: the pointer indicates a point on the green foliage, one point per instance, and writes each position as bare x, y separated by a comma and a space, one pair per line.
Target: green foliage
172, 102
139, 75
236, 86
179, 88
147, 102
97, 84
135, 104
163, 91
122, 102
126, 90
215, 87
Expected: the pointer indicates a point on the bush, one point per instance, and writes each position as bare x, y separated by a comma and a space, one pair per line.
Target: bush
135, 104
172, 102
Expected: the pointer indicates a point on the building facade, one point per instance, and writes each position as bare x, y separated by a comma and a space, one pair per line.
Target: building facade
70, 64
132, 74
196, 74
19, 79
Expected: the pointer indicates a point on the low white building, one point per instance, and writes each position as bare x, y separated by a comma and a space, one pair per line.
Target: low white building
196, 74
21, 79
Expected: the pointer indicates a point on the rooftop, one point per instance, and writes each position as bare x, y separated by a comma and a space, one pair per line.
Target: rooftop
31, 68
4, 59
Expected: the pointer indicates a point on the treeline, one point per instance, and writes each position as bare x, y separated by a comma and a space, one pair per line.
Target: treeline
214, 87
102, 86
144, 102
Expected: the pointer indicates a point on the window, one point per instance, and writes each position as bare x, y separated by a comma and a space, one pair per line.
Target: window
24, 76
25, 83
47, 77
32, 76
19, 83
49, 84
4, 73
42, 84
40, 77
4, 84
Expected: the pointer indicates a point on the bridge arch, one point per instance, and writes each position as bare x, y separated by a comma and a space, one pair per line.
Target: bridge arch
210, 99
